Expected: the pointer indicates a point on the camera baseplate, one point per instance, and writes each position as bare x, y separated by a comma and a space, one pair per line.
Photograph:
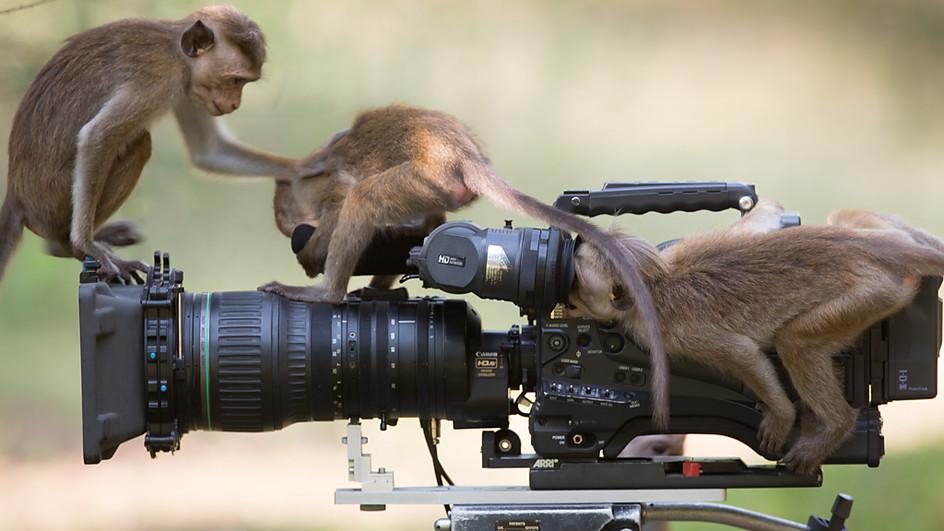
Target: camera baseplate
520, 508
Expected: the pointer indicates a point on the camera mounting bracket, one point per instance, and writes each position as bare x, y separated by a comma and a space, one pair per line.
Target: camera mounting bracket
358, 463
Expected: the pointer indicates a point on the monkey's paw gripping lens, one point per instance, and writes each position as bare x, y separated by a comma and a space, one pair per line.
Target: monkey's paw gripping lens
300, 236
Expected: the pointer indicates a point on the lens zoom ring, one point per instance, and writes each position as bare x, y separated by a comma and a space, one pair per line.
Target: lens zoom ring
296, 392
239, 345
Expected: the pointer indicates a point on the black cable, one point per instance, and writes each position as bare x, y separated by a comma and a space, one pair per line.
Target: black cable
438, 469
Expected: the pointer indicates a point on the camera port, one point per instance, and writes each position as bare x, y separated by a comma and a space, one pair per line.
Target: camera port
583, 339
613, 343
557, 342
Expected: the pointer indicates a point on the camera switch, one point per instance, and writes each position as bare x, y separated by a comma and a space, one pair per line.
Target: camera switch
573, 371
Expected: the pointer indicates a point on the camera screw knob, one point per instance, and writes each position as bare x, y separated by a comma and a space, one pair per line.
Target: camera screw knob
575, 201
745, 203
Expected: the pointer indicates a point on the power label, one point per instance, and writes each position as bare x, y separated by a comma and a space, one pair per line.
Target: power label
518, 525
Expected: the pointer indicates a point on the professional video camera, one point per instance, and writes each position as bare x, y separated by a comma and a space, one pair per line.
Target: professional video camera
160, 361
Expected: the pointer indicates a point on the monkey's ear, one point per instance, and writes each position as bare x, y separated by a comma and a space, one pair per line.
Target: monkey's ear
197, 39
620, 298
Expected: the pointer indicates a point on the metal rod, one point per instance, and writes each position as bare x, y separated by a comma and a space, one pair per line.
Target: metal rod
717, 514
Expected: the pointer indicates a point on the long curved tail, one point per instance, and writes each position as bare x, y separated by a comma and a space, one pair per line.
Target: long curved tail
11, 230
483, 181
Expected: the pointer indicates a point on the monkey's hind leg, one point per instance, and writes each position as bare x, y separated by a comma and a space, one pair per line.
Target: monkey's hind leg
744, 358
107, 197
811, 371
862, 219
119, 233
806, 346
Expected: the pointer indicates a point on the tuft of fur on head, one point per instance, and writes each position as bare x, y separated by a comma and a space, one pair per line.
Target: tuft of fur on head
239, 29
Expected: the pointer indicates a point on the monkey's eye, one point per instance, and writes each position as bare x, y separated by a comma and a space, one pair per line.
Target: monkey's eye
237, 81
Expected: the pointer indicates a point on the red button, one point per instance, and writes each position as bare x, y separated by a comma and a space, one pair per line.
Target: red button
691, 469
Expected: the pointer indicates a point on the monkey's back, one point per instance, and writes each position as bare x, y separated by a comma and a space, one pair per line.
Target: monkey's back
735, 283
388, 136
69, 90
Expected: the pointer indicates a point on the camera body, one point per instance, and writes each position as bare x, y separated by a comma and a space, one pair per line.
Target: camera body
160, 361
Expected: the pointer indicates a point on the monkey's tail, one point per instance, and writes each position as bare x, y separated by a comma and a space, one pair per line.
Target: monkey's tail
11, 230
483, 181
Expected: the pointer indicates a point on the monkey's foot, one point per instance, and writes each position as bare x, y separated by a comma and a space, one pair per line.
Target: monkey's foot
806, 455
774, 430
119, 233
303, 293
126, 271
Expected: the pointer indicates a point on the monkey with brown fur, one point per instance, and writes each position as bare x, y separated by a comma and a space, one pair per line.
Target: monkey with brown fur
80, 136
399, 163
726, 298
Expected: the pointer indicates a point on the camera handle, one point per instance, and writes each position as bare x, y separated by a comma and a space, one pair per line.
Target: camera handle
642, 197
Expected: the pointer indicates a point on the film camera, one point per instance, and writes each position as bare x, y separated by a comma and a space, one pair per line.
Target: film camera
160, 361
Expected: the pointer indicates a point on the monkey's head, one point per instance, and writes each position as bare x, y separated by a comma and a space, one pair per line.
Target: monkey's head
224, 50
663, 444
594, 291
597, 291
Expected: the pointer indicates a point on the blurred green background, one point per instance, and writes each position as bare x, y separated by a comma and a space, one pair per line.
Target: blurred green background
820, 104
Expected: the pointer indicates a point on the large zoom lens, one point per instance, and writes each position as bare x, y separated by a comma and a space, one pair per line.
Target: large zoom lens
252, 361
258, 362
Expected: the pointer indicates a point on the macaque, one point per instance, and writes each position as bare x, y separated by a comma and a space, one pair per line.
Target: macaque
726, 298
660, 445
398, 164
80, 136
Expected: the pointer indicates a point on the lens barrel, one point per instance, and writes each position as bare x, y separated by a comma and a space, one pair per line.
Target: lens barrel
258, 362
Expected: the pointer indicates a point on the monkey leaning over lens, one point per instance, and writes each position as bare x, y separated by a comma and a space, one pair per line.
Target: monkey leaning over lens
724, 298
400, 163
80, 136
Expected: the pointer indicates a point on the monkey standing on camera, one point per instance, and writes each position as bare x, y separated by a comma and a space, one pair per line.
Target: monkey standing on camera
80, 136
400, 163
726, 298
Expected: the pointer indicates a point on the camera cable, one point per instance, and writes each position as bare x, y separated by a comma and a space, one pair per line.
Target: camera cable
438, 470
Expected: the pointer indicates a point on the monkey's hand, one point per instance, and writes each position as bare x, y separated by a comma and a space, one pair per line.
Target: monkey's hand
774, 429
111, 267
303, 293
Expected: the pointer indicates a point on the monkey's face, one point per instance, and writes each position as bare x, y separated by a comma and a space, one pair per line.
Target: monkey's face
655, 446
218, 69
593, 292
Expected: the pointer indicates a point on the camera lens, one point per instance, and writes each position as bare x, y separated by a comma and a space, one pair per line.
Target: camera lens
258, 362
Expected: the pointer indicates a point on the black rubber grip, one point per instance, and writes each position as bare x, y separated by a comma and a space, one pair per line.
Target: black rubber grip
388, 253
642, 197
